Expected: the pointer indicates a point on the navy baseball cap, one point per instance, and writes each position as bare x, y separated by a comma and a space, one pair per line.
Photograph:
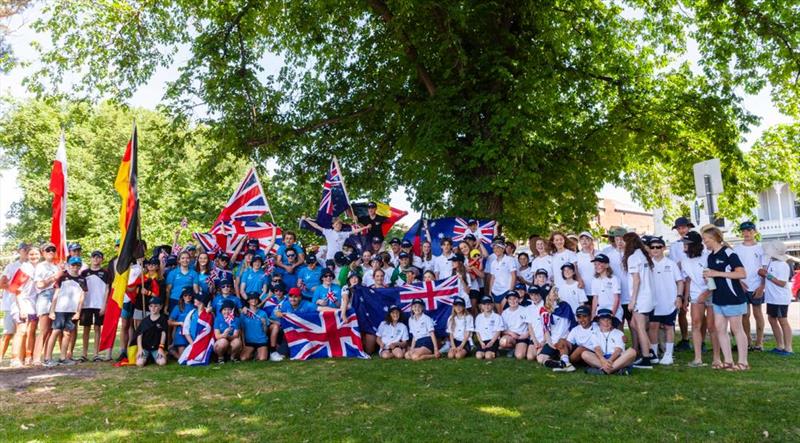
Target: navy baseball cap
747, 225
191, 248
327, 273
568, 265
604, 313
542, 271
256, 258
372, 205
656, 240
511, 293
228, 304
457, 257
470, 237
692, 237
406, 244
394, 308
486, 299
394, 241
472, 221
601, 258
202, 297
682, 221
97, 253
403, 255
519, 286
583, 310
252, 295
280, 286
418, 301
225, 282
311, 258
223, 256
459, 301
171, 260
23, 246
154, 301
75, 246
377, 240
187, 290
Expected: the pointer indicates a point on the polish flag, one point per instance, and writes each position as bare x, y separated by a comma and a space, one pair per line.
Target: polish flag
58, 186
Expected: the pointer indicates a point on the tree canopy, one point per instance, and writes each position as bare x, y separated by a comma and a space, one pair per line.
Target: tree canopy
518, 111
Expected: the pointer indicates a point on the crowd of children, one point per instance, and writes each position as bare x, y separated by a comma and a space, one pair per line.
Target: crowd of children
564, 304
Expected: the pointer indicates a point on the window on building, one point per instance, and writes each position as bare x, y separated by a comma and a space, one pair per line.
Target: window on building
797, 208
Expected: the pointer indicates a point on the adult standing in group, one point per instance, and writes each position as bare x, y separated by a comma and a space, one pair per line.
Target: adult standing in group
540, 255
372, 221
502, 274
752, 256
44, 279
9, 299
639, 266
729, 298
584, 264
181, 277
676, 253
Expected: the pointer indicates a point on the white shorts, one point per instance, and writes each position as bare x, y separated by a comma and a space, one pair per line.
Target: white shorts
43, 301
9, 325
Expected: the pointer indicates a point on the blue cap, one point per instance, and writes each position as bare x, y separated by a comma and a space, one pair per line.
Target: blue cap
486, 299
601, 258
470, 237
394, 240
519, 286
459, 301
403, 255
418, 301
202, 297
187, 290
225, 282
252, 295
511, 293
542, 271
604, 313
568, 265
406, 244
223, 256
583, 310
74, 261
377, 240
280, 286
171, 261
311, 258
682, 221
372, 205
75, 246
154, 301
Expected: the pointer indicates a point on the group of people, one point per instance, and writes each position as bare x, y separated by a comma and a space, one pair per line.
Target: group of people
563, 304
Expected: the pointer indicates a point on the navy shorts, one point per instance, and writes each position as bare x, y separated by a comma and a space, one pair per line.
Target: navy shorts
777, 311
752, 300
550, 351
63, 321
668, 319
527, 341
498, 298
467, 346
256, 345
492, 348
424, 342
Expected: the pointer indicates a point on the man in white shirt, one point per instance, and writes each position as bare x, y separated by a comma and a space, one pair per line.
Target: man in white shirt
442, 266
335, 237
753, 259
676, 254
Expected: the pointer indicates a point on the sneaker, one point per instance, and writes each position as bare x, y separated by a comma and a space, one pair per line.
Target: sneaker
683, 345
221, 361
15, 364
696, 364
595, 371
554, 364
445, 347
666, 360
97, 358
565, 368
785, 353
50, 364
275, 356
778, 351
627, 370
235, 360
644, 363
67, 362
653, 358
83, 359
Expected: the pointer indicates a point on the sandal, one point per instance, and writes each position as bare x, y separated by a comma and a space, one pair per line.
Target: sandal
728, 367
696, 364
742, 366
717, 365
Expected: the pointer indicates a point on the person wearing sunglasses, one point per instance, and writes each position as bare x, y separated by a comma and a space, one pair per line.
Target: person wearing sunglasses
289, 273
668, 298
328, 293
226, 293
46, 274
253, 279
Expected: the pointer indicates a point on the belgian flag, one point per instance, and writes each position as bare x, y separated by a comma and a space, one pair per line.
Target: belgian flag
125, 184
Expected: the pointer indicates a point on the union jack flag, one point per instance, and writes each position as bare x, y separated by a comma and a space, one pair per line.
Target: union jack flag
247, 203
331, 296
433, 294
232, 233
334, 196
199, 352
322, 335
270, 304
485, 233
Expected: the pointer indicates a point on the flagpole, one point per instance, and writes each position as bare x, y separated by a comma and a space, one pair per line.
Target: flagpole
140, 261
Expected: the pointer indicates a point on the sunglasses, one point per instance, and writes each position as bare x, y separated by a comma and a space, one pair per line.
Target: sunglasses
291, 255
224, 286
656, 247
50, 249
276, 281
327, 276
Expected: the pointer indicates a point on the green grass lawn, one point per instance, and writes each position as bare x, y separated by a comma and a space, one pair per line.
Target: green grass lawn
400, 401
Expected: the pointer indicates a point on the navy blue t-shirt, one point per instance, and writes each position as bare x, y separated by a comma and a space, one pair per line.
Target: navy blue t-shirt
728, 292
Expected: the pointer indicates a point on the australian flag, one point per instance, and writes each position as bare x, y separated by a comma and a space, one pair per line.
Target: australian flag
454, 228
371, 305
322, 335
334, 196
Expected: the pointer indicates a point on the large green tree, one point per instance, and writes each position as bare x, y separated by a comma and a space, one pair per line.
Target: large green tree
506, 109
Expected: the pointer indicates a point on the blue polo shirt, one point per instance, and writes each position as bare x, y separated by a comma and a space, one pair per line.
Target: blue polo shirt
311, 277
253, 280
286, 308
253, 328
216, 304
728, 292
221, 325
289, 279
179, 280
282, 251
178, 314
321, 293
201, 279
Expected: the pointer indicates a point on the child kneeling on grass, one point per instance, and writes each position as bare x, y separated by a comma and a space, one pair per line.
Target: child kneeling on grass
291, 304
609, 355
516, 337
254, 323
423, 340
227, 332
151, 337
459, 327
558, 320
392, 335
488, 327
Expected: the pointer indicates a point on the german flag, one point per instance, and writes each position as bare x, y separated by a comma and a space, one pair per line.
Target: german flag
125, 184
392, 214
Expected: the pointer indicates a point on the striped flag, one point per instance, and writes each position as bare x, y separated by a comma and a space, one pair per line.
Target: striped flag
58, 186
199, 352
125, 184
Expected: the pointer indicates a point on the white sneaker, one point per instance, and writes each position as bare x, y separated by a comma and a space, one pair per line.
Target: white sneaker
445, 347
275, 356
666, 360
568, 368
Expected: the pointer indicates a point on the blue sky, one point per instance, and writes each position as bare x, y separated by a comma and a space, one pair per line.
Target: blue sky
149, 95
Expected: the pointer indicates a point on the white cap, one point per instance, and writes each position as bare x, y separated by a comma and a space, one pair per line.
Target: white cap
586, 234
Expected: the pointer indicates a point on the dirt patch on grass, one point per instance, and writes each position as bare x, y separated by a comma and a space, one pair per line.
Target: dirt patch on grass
18, 380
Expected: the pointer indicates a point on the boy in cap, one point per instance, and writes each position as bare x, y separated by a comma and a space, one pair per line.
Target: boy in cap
64, 310
668, 297
608, 354
292, 304
778, 296
151, 336
394, 251
751, 253
372, 221
97, 283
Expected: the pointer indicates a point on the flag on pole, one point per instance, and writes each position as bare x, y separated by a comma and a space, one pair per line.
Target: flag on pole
125, 184
392, 214
334, 196
58, 186
247, 203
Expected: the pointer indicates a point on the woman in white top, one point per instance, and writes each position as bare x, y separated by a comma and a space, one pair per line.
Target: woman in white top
541, 256
694, 262
427, 260
605, 290
639, 265
47, 272
584, 265
524, 270
561, 256
392, 335
459, 327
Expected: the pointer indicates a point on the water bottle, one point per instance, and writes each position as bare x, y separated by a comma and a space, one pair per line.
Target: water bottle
710, 284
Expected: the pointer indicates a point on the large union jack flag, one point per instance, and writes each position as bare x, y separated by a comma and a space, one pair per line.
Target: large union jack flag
485, 233
434, 294
199, 352
247, 203
322, 335
235, 232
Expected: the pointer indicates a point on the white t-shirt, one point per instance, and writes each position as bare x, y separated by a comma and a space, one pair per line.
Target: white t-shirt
97, 288
392, 333
26, 297
536, 321
586, 270
461, 325
71, 288
442, 266
608, 341
753, 259
463, 292
677, 254
45, 270
580, 336
615, 261
606, 291
501, 270
420, 327
9, 272
559, 328
693, 268
544, 262
427, 265
637, 264
774, 294
487, 325
559, 258
516, 320
335, 240
665, 287
571, 294
526, 274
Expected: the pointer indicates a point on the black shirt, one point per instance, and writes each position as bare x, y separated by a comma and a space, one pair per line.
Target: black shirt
151, 332
376, 230
728, 292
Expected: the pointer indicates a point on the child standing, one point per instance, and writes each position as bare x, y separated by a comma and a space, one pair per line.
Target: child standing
97, 281
67, 303
668, 292
568, 289
605, 289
